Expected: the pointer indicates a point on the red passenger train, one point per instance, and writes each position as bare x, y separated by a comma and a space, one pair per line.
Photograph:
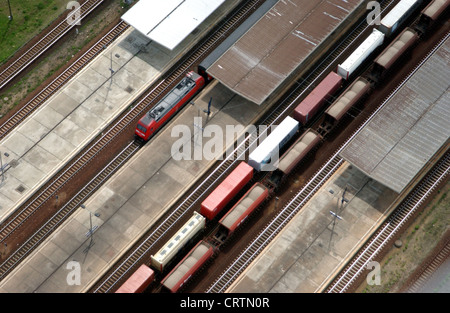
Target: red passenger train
165, 109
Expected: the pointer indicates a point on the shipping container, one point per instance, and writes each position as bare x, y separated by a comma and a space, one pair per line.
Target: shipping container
139, 281
364, 50
308, 108
266, 155
170, 249
395, 18
226, 191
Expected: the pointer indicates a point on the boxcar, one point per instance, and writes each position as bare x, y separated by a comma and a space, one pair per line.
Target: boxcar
395, 18
364, 50
170, 249
244, 207
298, 150
265, 156
187, 267
317, 98
226, 191
139, 281
392, 53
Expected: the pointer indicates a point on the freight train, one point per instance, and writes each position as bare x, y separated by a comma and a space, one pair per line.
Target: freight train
255, 194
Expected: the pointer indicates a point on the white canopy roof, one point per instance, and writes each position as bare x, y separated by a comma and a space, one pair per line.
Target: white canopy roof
168, 22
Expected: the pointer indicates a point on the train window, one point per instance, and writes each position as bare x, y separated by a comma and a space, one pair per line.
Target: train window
163, 252
141, 128
177, 238
184, 230
170, 245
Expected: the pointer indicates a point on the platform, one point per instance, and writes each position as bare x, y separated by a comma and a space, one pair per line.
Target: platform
309, 250
81, 110
130, 202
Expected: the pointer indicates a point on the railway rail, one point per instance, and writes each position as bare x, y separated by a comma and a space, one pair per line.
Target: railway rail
47, 40
14, 120
128, 120
389, 229
150, 241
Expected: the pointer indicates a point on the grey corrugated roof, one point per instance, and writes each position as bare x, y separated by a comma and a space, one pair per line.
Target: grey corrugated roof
412, 126
277, 45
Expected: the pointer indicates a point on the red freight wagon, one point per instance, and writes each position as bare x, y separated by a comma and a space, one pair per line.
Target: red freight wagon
219, 198
317, 98
187, 267
244, 207
137, 282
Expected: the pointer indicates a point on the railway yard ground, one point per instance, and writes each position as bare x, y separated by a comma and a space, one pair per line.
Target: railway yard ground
55, 59
326, 251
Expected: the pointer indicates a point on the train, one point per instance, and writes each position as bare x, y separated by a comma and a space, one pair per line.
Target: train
169, 105
240, 194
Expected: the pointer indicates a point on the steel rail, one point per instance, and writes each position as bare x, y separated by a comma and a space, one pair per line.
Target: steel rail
223, 168
44, 43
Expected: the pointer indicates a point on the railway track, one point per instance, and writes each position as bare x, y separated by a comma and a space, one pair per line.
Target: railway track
47, 40
385, 234
15, 120
129, 119
174, 219
389, 229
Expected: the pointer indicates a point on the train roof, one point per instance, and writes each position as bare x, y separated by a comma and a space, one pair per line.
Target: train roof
276, 47
169, 22
409, 129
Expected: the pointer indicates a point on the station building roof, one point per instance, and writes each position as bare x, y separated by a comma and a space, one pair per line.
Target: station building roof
168, 22
277, 44
409, 129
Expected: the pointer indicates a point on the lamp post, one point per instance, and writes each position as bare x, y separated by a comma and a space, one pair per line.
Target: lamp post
90, 229
10, 12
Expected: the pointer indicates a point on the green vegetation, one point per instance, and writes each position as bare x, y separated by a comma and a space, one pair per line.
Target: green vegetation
29, 18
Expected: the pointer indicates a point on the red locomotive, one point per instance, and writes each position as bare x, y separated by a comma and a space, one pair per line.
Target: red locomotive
165, 109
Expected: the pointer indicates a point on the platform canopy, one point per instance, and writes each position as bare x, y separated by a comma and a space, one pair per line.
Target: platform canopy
277, 45
410, 129
169, 22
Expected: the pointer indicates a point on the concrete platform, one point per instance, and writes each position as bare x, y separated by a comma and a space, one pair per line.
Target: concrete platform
71, 118
304, 256
128, 203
